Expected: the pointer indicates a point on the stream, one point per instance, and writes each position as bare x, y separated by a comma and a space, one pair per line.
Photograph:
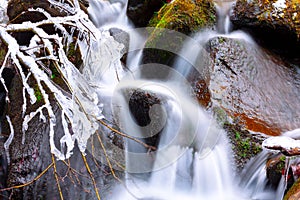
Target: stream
194, 158
161, 126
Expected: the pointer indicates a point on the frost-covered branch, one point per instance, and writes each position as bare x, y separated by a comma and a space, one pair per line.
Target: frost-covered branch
81, 109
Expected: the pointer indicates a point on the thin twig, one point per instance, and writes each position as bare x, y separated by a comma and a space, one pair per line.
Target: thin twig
107, 158
91, 175
30, 182
56, 178
152, 148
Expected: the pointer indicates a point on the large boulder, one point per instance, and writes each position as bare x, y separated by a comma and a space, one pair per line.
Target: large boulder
255, 88
275, 23
186, 16
170, 26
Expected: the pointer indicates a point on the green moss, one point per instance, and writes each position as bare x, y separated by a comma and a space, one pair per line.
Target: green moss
185, 16
2, 54
244, 145
281, 164
37, 93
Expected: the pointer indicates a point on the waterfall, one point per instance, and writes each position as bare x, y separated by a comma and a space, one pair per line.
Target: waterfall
223, 18
193, 159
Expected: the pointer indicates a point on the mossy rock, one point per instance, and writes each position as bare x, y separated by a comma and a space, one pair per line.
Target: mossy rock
171, 25
269, 13
186, 16
274, 23
244, 144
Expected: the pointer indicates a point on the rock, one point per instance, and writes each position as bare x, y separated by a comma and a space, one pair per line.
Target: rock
171, 25
275, 169
16, 8
244, 144
254, 87
140, 105
29, 159
274, 23
286, 145
186, 16
294, 192
122, 37
141, 11
7, 74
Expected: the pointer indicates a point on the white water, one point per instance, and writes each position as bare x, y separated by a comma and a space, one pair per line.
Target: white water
193, 160
223, 12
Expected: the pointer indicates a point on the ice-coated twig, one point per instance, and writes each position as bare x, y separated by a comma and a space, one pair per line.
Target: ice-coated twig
80, 111
9, 140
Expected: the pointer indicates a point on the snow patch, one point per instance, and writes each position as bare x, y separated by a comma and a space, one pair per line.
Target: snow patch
279, 5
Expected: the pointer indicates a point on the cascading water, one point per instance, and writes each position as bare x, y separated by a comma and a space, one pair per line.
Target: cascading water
223, 12
193, 159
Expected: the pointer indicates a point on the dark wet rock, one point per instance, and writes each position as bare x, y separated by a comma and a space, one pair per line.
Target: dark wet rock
84, 3
141, 11
140, 104
275, 24
253, 86
275, 169
3, 169
186, 16
7, 74
17, 10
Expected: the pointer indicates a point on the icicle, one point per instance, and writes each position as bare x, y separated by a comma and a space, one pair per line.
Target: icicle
80, 112
9, 140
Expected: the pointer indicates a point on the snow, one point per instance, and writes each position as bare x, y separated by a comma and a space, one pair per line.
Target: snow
280, 5
282, 141
285, 144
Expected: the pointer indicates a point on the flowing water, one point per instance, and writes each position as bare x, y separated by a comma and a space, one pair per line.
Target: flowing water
193, 159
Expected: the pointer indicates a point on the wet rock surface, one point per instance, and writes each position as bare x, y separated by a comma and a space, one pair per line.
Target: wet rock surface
141, 11
275, 24
275, 169
254, 87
